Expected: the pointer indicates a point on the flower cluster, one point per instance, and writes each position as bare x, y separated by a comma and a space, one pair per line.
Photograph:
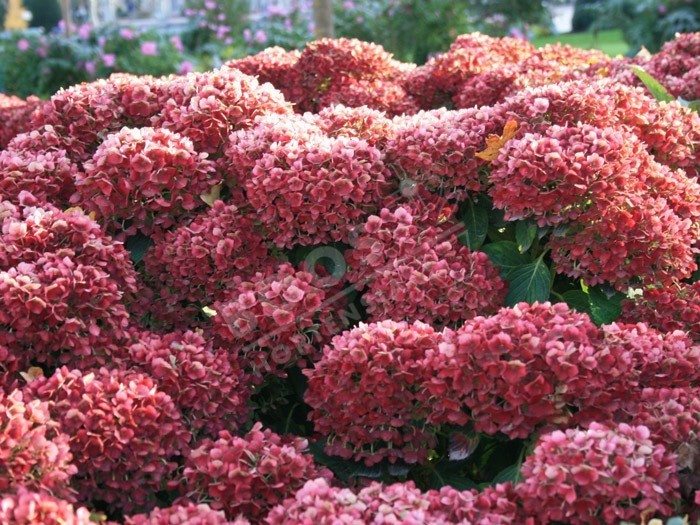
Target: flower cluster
37, 162
205, 384
142, 179
16, 116
609, 473
468, 55
368, 396
670, 414
248, 475
554, 176
40, 508
320, 503
295, 181
627, 239
669, 131
436, 148
362, 122
343, 66
277, 319
125, 433
34, 453
675, 307
419, 271
522, 367
196, 261
274, 65
677, 66
208, 107
189, 514
63, 283
548, 65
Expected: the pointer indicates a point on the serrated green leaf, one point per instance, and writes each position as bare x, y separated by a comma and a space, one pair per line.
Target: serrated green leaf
605, 307
694, 105
505, 256
511, 473
578, 300
525, 234
475, 217
445, 474
658, 91
138, 246
529, 283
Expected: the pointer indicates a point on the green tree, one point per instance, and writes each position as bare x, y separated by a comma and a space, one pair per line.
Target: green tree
45, 13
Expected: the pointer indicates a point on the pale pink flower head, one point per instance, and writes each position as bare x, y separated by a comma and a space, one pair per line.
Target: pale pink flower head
260, 37
84, 31
177, 43
185, 67
23, 44
126, 33
149, 48
90, 67
109, 59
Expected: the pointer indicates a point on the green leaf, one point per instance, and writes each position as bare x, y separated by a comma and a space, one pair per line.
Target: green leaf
606, 307
694, 105
658, 91
578, 300
525, 234
475, 217
511, 473
505, 256
343, 468
444, 474
138, 246
529, 283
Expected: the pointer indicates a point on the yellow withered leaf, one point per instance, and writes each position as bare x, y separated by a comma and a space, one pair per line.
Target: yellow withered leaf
32, 373
211, 196
494, 143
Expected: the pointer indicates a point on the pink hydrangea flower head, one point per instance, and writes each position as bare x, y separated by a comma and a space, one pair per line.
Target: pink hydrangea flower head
600, 473
26, 507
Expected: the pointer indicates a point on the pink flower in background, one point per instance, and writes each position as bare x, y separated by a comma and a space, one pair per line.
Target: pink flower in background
260, 37
210, 5
101, 41
126, 33
228, 40
84, 31
109, 59
177, 43
149, 48
90, 67
23, 44
185, 67
41, 51
247, 35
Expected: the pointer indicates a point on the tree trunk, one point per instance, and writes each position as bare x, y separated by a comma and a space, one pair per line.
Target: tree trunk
323, 18
66, 11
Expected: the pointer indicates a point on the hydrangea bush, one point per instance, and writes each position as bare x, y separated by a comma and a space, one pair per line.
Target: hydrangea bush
326, 286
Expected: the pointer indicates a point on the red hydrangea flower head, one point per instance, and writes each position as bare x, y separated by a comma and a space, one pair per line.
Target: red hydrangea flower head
143, 179
361, 122
319, 502
552, 177
206, 384
196, 261
472, 54
310, 188
208, 107
670, 308
367, 394
17, 116
126, 433
248, 475
37, 162
628, 238
600, 473
187, 514
384, 95
437, 148
277, 319
34, 453
520, 368
331, 64
26, 507
274, 65
416, 271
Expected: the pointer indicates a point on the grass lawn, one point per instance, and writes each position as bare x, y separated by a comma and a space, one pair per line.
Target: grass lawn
609, 42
